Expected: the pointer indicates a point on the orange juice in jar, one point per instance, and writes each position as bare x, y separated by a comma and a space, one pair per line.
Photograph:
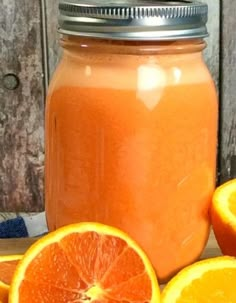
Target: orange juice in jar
131, 125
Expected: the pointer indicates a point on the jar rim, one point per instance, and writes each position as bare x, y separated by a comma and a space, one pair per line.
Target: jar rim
134, 20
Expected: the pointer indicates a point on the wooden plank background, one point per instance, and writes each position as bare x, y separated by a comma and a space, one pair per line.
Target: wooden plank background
29, 50
228, 96
22, 107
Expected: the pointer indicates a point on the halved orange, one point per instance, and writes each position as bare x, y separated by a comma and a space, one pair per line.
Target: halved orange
86, 262
208, 281
223, 217
7, 267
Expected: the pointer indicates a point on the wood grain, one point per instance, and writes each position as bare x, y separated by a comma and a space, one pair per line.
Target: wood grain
212, 249
15, 246
212, 53
228, 84
21, 109
54, 50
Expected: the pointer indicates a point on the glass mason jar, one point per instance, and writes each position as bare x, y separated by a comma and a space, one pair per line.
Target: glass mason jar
131, 126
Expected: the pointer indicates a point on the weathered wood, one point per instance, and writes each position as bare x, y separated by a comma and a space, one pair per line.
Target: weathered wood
15, 246
22, 108
212, 53
54, 50
228, 84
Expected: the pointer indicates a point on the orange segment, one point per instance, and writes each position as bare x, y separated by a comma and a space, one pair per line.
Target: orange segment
223, 216
7, 268
208, 281
87, 262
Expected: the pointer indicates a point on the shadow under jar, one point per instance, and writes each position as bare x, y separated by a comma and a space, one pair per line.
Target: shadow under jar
131, 125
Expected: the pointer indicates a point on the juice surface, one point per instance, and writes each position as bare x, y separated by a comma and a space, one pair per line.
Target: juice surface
138, 153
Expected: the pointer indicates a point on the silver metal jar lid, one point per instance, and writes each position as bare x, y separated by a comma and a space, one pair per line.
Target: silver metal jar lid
134, 19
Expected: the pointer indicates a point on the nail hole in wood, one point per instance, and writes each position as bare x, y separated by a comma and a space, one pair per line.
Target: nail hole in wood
11, 81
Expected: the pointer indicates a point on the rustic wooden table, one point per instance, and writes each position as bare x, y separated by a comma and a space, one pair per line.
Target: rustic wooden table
19, 246
15, 246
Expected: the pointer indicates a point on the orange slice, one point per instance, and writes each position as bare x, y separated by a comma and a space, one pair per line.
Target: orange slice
86, 262
223, 217
7, 268
208, 281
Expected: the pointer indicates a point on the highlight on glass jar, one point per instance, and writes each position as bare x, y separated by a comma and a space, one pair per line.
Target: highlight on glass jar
131, 125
